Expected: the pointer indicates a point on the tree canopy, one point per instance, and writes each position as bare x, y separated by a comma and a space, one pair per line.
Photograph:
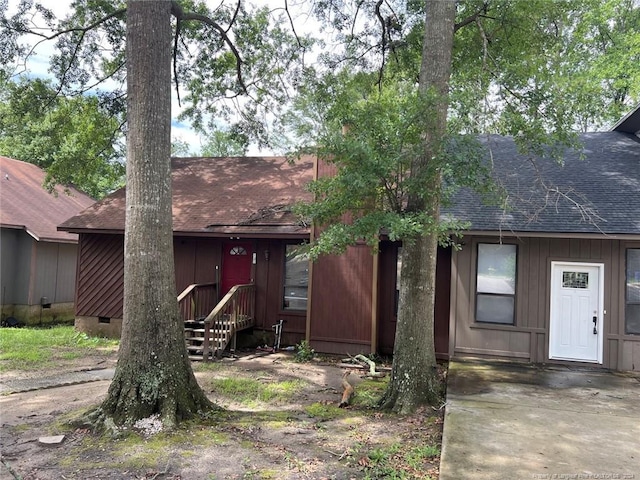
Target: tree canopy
76, 140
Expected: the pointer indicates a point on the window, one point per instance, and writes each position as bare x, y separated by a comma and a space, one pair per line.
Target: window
496, 284
238, 251
632, 300
575, 280
296, 279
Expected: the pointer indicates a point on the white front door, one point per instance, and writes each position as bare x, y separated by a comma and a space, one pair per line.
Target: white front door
575, 331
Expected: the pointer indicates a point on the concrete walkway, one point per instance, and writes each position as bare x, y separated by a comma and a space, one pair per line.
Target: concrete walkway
512, 422
61, 380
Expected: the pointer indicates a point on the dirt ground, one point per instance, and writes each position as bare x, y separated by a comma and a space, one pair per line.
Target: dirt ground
304, 436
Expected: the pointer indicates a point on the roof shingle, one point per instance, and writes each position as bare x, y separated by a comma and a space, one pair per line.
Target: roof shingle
595, 191
240, 195
25, 204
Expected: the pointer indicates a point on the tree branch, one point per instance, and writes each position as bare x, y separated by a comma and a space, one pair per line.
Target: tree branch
293, 28
384, 40
182, 16
84, 30
472, 18
176, 39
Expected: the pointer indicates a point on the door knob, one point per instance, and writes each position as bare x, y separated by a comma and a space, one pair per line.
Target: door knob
595, 322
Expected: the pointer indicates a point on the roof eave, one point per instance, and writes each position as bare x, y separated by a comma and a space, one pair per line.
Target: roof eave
529, 234
630, 123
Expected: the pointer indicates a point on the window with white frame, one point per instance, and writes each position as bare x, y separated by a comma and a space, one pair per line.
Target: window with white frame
296, 278
496, 283
632, 292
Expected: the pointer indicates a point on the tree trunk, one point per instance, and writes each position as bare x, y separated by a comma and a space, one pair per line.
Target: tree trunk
153, 374
414, 378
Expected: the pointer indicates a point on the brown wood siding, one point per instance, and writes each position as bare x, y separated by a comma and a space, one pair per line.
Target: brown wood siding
341, 298
387, 299
443, 301
528, 338
100, 276
184, 254
196, 260
341, 295
269, 279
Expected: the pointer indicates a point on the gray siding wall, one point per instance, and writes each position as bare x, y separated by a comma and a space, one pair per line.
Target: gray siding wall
55, 276
528, 338
32, 270
15, 257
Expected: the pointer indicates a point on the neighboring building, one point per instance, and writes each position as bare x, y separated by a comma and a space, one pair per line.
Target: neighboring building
38, 270
554, 280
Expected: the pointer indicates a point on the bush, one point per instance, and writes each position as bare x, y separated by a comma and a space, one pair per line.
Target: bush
304, 352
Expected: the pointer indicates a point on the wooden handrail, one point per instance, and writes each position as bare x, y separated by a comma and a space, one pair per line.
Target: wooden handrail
237, 306
192, 287
196, 300
225, 300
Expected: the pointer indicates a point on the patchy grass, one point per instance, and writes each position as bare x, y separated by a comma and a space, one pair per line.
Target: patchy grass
282, 422
397, 461
30, 348
324, 411
248, 391
369, 392
211, 366
134, 451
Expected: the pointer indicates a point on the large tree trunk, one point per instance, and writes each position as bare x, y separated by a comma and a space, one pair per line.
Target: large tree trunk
414, 379
153, 374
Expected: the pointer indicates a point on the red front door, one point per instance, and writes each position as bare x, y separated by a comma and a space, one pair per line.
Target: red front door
236, 265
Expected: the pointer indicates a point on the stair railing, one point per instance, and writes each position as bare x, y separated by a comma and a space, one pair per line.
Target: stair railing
197, 300
234, 312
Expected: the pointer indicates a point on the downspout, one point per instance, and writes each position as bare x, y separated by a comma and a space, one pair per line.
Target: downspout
453, 303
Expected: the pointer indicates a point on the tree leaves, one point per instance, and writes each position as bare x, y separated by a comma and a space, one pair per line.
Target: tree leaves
76, 140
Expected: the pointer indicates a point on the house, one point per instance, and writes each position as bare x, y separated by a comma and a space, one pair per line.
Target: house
232, 225
554, 279
38, 274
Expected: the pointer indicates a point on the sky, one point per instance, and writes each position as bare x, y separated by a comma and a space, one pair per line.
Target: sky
38, 66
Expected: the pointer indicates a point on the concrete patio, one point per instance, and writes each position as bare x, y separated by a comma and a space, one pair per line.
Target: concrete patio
506, 421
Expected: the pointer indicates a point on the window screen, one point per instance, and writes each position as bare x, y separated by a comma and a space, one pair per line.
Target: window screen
632, 303
296, 279
496, 283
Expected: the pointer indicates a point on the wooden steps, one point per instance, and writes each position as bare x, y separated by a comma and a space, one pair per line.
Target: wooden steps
219, 337
231, 315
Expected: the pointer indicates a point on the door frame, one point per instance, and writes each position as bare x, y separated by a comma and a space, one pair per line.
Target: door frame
601, 310
251, 258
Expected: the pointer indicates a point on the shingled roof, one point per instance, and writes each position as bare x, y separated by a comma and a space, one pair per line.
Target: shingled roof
235, 195
630, 123
595, 191
26, 205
